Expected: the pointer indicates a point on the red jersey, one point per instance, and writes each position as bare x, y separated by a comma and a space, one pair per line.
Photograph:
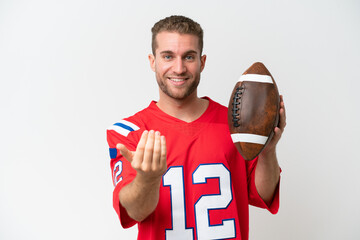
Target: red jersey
208, 186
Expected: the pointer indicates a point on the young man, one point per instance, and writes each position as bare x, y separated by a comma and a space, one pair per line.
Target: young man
176, 170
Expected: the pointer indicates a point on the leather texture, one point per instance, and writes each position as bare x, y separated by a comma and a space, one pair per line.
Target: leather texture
254, 109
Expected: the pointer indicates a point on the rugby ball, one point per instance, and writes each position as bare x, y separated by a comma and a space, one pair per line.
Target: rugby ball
253, 111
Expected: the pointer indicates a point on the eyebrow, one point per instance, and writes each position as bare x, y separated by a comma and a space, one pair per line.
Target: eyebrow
186, 53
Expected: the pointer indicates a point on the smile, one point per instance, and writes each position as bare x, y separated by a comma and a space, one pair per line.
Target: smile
177, 79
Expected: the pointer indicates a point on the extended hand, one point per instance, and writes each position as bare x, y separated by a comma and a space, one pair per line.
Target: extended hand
141, 196
149, 159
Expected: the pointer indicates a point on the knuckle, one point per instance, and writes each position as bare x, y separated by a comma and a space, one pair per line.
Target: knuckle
141, 148
135, 165
145, 168
157, 151
154, 168
148, 148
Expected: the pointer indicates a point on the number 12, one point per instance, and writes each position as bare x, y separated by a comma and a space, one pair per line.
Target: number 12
174, 178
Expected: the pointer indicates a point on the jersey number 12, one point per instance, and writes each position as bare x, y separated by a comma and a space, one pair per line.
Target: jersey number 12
174, 178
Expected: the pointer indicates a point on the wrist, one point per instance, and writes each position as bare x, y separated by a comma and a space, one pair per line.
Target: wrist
268, 158
147, 182
268, 153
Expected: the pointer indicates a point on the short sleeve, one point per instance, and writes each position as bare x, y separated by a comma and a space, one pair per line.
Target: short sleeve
126, 133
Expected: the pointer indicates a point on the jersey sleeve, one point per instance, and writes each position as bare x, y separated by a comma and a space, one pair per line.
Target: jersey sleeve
126, 133
254, 197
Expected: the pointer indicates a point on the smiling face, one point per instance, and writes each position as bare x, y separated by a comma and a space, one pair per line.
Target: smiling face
177, 64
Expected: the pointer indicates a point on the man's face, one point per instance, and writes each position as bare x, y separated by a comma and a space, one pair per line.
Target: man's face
177, 64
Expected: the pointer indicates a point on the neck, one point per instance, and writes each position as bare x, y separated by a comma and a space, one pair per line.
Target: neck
188, 109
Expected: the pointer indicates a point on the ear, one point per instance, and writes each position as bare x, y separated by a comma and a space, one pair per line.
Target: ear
152, 61
203, 60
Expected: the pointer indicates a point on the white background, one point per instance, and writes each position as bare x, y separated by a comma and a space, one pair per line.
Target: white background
69, 69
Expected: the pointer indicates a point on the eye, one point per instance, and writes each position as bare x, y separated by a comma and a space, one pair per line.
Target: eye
189, 57
167, 57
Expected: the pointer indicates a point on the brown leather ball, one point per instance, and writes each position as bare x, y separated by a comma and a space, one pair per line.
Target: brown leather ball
253, 111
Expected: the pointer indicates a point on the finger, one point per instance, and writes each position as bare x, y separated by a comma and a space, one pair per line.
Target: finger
282, 104
282, 113
139, 154
125, 152
163, 164
282, 122
148, 154
157, 151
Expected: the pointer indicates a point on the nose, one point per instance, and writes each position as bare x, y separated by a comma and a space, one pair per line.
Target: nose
179, 66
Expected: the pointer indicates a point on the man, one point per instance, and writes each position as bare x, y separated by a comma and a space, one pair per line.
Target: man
176, 170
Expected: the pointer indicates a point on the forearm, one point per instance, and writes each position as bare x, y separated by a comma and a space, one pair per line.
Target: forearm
140, 198
267, 175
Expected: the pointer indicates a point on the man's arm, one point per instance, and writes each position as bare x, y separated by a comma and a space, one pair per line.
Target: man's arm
267, 173
141, 196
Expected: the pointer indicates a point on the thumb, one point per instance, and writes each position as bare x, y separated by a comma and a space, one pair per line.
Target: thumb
125, 152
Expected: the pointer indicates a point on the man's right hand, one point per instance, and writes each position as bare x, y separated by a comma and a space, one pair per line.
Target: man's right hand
149, 159
141, 196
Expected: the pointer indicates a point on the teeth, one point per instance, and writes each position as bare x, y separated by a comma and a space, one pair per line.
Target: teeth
176, 79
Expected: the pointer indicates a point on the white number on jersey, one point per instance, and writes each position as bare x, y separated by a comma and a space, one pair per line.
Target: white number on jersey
174, 178
117, 171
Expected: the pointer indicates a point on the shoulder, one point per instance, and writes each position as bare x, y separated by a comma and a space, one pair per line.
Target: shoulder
125, 126
134, 122
128, 130
215, 106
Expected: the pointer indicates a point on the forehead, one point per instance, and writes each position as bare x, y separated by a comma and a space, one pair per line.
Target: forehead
176, 42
